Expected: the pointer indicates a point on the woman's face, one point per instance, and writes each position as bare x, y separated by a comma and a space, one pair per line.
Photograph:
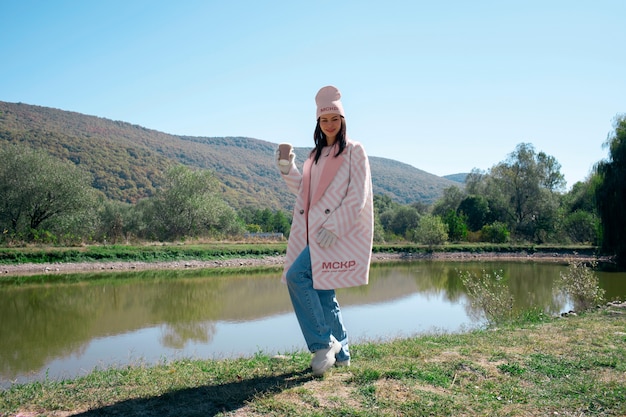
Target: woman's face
330, 125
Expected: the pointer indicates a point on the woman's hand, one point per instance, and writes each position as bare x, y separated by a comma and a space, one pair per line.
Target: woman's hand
326, 238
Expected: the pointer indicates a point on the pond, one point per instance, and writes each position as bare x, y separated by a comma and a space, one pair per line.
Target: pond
59, 331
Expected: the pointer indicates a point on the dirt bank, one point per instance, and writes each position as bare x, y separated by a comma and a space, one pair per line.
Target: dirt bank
65, 268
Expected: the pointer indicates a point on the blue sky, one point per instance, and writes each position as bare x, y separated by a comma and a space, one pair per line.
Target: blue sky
444, 86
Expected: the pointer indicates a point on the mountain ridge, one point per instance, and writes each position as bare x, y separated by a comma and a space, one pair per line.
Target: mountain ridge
127, 160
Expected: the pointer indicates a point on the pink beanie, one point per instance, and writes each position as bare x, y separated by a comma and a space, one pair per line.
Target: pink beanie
328, 100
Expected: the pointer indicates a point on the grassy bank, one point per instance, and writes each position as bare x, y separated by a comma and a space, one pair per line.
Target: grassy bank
219, 250
573, 366
137, 253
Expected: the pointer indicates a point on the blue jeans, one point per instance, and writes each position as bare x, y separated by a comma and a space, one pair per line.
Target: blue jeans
317, 311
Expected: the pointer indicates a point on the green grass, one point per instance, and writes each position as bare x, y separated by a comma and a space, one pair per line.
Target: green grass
478, 248
144, 253
218, 250
572, 366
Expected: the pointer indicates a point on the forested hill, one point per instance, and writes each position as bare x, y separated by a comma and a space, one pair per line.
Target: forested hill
127, 161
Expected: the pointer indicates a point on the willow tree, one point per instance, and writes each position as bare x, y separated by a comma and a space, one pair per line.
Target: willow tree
611, 192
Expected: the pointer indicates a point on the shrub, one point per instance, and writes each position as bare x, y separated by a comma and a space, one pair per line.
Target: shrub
430, 231
489, 296
494, 233
457, 227
582, 285
582, 227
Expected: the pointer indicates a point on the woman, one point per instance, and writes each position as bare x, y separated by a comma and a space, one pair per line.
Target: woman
330, 243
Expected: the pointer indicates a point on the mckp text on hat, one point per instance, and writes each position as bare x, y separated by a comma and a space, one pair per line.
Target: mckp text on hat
328, 101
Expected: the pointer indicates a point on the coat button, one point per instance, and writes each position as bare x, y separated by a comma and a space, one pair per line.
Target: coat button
327, 211
301, 211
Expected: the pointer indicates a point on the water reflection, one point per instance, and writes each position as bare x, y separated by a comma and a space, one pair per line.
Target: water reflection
66, 330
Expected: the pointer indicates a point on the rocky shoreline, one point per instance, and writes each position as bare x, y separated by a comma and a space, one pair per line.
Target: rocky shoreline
86, 267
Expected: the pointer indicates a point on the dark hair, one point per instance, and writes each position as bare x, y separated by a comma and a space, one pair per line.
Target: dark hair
319, 138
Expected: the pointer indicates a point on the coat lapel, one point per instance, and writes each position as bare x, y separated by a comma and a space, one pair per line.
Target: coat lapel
330, 170
306, 182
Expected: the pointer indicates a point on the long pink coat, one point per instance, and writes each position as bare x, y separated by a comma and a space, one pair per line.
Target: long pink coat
343, 205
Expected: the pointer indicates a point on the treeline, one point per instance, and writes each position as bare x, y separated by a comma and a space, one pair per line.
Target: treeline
521, 199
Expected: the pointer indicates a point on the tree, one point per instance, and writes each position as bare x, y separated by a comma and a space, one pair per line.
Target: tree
475, 209
383, 203
120, 221
265, 220
494, 233
400, 220
430, 231
280, 223
581, 227
522, 192
422, 208
456, 226
611, 192
41, 193
383, 212
549, 171
582, 196
189, 205
452, 197
475, 182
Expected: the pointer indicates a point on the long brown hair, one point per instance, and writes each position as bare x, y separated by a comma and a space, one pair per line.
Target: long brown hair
319, 138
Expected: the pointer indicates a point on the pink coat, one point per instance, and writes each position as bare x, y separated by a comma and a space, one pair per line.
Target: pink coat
343, 205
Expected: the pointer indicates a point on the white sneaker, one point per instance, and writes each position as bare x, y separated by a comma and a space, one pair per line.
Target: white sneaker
343, 363
325, 359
